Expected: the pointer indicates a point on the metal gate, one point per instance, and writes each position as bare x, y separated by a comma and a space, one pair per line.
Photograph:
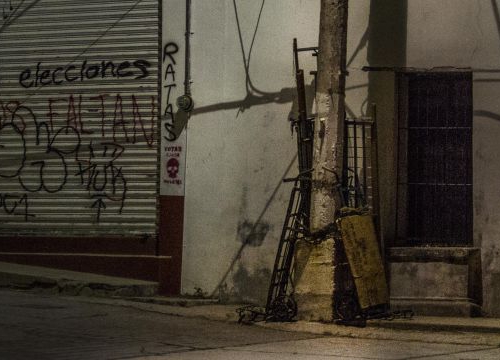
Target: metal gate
360, 185
78, 117
435, 158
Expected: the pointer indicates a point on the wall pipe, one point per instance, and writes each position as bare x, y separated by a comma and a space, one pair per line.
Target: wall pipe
187, 73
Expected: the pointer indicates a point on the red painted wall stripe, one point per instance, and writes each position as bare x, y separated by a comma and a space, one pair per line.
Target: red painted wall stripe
171, 235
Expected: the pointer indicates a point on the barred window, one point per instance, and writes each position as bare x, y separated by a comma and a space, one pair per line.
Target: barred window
434, 158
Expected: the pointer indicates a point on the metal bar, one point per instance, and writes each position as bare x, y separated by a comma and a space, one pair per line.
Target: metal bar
401, 225
355, 146
280, 279
187, 71
434, 184
295, 55
304, 145
301, 100
357, 121
344, 183
365, 192
444, 69
311, 48
375, 183
439, 128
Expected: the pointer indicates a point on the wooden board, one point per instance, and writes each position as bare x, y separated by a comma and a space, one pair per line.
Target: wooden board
363, 255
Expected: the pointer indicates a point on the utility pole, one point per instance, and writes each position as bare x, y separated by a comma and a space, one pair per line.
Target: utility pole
329, 127
315, 287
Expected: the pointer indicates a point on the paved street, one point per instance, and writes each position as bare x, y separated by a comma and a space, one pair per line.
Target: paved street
35, 326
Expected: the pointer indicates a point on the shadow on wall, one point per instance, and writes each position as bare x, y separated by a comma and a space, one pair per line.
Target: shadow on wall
254, 95
496, 13
387, 33
491, 294
252, 234
494, 116
252, 284
487, 114
495, 295
387, 43
283, 96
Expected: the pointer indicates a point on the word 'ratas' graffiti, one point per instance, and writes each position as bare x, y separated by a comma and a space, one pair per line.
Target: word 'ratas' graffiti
169, 50
42, 156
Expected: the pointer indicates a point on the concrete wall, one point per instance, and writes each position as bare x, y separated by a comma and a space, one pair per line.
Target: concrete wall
463, 33
239, 143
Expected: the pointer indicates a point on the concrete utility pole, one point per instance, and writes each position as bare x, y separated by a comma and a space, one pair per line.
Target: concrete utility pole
315, 286
329, 127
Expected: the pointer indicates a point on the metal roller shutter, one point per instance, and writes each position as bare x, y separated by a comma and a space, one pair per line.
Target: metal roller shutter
78, 117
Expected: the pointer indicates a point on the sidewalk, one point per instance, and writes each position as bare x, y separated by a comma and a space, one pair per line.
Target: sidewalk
142, 295
72, 283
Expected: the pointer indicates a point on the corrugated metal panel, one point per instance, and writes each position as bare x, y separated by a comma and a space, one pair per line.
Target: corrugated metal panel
78, 117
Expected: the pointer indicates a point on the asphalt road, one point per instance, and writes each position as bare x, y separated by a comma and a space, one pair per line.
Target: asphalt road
35, 326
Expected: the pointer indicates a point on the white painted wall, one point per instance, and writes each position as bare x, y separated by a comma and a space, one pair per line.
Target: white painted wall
239, 143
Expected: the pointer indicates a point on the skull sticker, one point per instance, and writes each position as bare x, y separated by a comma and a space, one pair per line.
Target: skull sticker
172, 168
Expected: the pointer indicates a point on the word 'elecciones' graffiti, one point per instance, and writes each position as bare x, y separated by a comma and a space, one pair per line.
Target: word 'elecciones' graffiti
41, 75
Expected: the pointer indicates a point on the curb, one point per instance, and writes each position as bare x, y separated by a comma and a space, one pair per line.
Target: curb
460, 325
68, 285
172, 301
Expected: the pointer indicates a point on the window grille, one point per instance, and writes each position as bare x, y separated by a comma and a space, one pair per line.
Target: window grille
359, 172
435, 159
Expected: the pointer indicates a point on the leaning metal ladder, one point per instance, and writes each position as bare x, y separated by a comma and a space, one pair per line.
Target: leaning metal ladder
280, 305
